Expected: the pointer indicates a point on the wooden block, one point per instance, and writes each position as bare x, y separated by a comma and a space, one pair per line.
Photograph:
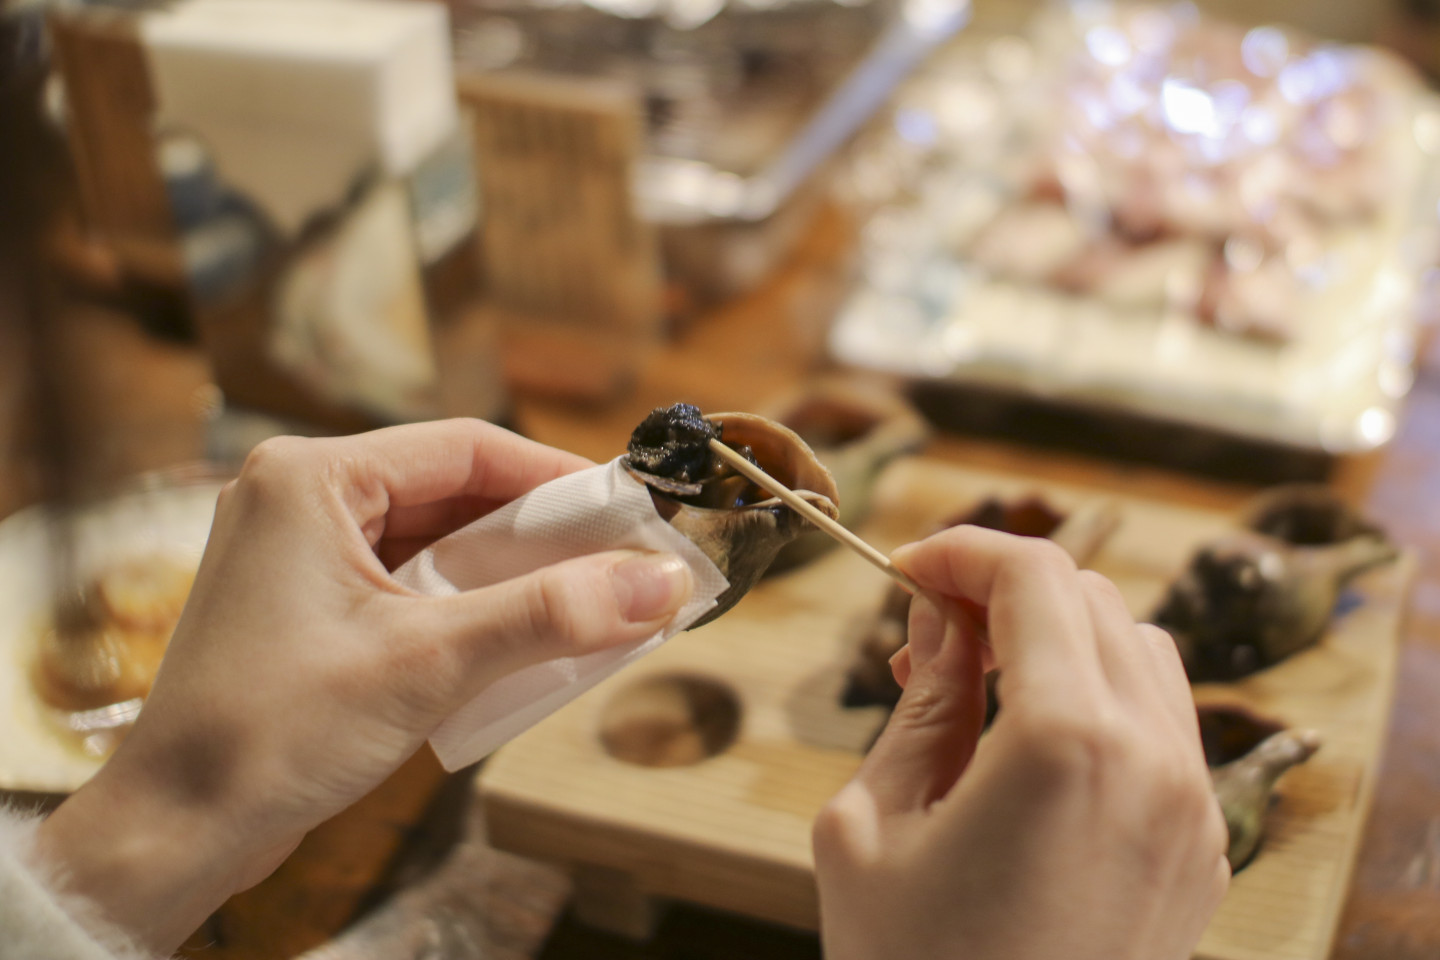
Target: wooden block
733, 831
560, 238
111, 106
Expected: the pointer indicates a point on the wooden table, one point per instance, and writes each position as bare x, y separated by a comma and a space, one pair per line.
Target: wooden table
148, 402
737, 358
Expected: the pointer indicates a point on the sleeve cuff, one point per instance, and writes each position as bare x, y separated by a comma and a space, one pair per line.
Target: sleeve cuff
39, 920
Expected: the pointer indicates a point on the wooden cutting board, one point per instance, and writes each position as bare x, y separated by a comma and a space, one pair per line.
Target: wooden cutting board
733, 831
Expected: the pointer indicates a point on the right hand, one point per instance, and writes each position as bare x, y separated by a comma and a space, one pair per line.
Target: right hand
1082, 827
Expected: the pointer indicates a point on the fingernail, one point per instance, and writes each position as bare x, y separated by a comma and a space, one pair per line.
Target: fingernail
927, 630
900, 667
651, 586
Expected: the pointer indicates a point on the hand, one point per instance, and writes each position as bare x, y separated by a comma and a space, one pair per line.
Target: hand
1082, 826
301, 674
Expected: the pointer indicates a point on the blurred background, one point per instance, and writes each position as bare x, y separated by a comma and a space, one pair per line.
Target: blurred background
1180, 252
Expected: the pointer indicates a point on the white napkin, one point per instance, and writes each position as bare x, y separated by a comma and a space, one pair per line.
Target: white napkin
598, 509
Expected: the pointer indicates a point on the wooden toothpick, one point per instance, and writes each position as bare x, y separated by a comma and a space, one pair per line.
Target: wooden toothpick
807, 510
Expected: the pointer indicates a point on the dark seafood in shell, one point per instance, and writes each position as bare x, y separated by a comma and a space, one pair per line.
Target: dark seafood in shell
1251, 599
1026, 517
738, 525
869, 681
670, 451
1308, 515
674, 442
1247, 755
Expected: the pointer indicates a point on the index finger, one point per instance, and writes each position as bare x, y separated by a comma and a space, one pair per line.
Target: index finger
1037, 615
414, 465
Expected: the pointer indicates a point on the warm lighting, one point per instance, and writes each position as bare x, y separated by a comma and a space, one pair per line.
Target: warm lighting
1375, 426
916, 126
1188, 109
1243, 255
1264, 51
931, 16
1259, 126
1108, 46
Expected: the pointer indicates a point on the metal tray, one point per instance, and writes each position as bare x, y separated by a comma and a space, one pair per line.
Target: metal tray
743, 106
953, 152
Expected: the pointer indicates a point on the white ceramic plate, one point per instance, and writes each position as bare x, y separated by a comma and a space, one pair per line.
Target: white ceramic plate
173, 520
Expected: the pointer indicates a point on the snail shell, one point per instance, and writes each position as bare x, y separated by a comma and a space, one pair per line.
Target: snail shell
1248, 601
743, 537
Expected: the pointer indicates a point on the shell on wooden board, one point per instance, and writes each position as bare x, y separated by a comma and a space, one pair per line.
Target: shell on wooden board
1247, 754
1250, 599
1247, 600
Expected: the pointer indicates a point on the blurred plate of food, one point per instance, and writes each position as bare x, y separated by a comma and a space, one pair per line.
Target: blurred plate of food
134, 559
1142, 209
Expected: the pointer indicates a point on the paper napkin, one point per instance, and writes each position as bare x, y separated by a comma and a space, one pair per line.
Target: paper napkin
594, 510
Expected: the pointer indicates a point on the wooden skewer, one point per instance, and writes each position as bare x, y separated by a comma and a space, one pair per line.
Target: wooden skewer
807, 510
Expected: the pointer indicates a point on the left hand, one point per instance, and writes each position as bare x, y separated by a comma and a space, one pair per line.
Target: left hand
301, 674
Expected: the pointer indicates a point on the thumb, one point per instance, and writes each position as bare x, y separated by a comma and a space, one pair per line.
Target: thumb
933, 730
568, 609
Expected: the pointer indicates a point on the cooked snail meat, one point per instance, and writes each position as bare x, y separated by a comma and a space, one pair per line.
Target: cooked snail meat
670, 451
674, 442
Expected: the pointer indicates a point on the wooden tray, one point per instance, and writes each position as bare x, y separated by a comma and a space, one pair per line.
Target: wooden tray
733, 832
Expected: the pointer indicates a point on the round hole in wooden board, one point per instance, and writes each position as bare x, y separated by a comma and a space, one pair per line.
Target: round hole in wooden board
674, 720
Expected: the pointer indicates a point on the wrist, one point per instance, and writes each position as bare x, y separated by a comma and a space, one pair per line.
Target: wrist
151, 867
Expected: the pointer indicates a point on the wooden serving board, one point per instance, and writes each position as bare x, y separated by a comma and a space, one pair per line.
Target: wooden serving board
733, 831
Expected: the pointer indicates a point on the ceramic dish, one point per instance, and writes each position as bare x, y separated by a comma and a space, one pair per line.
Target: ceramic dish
165, 515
